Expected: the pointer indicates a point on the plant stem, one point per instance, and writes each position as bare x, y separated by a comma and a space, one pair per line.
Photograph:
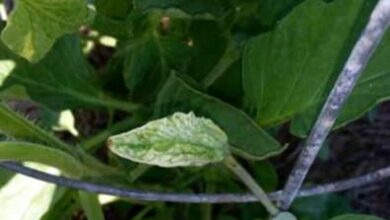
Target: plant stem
92, 143
126, 106
232, 54
357, 61
233, 165
91, 206
138, 171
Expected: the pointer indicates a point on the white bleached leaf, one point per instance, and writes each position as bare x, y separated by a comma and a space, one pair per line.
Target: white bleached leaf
177, 140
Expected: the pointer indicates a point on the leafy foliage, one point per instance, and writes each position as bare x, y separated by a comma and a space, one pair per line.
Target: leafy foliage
246, 138
370, 90
35, 25
292, 65
247, 69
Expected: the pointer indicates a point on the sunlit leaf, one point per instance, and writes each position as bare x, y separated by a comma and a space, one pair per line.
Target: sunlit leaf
34, 25
25, 198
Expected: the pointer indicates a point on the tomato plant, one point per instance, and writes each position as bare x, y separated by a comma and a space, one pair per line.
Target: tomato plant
184, 92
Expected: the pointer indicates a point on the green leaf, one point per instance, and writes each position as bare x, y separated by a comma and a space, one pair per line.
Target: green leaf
256, 16
320, 207
24, 198
63, 205
91, 206
209, 44
213, 9
356, 217
61, 80
115, 9
111, 17
245, 136
22, 151
178, 140
370, 90
34, 25
285, 70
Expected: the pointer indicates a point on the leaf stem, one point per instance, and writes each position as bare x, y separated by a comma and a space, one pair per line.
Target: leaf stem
358, 59
92, 143
240, 171
232, 54
91, 206
126, 106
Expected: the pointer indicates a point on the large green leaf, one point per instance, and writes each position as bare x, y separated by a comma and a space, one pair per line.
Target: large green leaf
111, 17
285, 70
356, 217
320, 207
255, 16
244, 135
25, 198
61, 80
115, 9
152, 53
34, 25
371, 89
177, 140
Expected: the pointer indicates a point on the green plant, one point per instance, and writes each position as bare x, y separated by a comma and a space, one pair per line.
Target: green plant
199, 87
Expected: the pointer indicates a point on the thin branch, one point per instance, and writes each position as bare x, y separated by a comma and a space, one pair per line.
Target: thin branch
357, 61
193, 198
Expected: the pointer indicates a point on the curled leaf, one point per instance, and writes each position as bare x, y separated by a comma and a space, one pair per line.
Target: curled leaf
177, 140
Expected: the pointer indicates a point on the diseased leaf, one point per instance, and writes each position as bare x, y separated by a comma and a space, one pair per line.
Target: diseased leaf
178, 140
245, 137
34, 25
371, 89
356, 217
62, 80
285, 70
